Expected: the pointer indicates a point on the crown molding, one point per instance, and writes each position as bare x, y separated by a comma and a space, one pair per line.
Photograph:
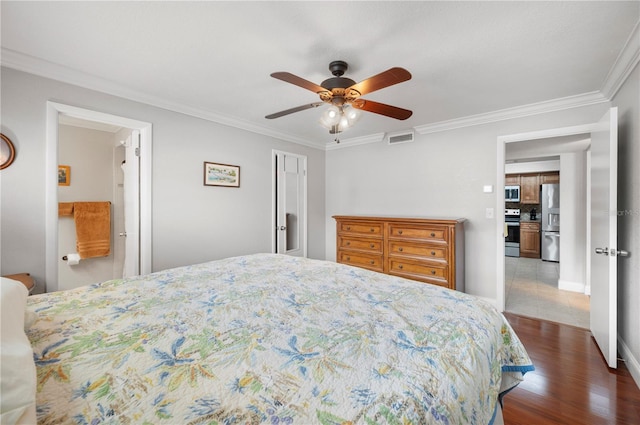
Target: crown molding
625, 63
29, 64
517, 112
355, 141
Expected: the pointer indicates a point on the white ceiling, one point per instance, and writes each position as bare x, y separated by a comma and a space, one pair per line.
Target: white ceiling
213, 59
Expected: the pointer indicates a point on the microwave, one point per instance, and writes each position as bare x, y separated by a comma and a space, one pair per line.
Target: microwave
512, 193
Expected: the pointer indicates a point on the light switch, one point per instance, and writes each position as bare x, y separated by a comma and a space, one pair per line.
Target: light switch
489, 212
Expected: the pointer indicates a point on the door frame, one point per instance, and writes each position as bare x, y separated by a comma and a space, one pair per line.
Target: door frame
54, 110
274, 202
501, 143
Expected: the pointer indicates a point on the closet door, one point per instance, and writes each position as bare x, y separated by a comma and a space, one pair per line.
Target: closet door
290, 187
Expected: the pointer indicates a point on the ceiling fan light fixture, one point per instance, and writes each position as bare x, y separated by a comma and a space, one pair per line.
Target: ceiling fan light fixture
331, 116
351, 114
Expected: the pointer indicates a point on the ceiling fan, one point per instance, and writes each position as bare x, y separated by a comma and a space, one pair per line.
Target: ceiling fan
343, 94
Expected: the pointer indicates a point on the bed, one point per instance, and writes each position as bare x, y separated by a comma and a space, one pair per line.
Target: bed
269, 338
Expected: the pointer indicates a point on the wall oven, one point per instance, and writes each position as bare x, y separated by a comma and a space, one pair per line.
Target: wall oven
512, 232
512, 193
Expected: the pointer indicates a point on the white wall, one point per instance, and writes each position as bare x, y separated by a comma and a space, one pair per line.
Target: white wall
628, 102
440, 174
573, 221
190, 222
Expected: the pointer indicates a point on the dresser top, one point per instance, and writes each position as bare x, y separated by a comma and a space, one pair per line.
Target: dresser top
404, 219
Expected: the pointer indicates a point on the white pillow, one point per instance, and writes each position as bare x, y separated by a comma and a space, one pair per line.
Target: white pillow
18, 377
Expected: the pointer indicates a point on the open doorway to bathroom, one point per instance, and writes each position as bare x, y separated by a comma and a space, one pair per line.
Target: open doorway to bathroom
93, 157
97, 176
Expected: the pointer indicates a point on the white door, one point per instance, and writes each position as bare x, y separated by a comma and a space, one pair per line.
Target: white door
131, 169
290, 204
604, 250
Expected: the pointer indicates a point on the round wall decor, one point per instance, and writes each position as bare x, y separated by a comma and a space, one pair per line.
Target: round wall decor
7, 152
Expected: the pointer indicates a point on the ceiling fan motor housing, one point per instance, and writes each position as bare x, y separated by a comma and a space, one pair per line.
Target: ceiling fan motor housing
338, 68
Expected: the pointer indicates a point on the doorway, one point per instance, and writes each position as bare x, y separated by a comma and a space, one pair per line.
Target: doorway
94, 157
553, 142
290, 203
142, 195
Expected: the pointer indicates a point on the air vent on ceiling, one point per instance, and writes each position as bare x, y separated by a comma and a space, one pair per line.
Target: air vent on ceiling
401, 137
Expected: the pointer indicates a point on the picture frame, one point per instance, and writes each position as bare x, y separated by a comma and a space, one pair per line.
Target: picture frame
224, 175
7, 152
64, 175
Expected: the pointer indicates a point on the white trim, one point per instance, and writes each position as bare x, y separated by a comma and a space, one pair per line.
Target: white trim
51, 186
36, 66
633, 364
355, 141
627, 60
554, 105
566, 285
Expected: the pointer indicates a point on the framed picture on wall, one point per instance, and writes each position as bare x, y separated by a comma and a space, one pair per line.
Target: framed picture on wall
221, 175
64, 175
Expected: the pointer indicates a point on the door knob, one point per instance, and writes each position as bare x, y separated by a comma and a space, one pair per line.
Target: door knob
603, 251
619, 252
283, 227
123, 234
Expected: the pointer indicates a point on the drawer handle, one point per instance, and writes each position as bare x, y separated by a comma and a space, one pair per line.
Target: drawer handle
433, 235
371, 246
348, 243
399, 232
433, 253
433, 272
372, 262
400, 266
348, 227
348, 258
372, 229
401, 249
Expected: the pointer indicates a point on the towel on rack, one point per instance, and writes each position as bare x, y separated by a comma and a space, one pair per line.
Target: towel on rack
65, 209
93, 228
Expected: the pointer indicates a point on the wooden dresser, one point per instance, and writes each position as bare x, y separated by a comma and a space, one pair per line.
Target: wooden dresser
428, 250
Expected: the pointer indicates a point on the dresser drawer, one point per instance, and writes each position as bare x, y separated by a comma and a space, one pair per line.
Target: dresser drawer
424, 271
361, 228
420, 250
367, 261
363, 244
427, 233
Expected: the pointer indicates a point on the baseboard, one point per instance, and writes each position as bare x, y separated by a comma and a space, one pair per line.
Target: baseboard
492, 301
631, 362
566, 285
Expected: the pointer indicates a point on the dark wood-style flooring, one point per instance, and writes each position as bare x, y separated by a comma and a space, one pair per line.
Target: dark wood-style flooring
571, 384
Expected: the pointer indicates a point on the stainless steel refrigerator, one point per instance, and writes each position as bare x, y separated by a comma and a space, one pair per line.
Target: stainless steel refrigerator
550, 206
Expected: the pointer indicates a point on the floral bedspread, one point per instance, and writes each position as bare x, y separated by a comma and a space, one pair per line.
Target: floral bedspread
268, 338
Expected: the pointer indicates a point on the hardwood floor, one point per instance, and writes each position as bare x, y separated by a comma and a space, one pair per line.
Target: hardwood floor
571, 384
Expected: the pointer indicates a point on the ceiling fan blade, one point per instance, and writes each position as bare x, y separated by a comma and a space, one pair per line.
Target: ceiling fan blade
298, 81
384, 79
292, 110
382, 109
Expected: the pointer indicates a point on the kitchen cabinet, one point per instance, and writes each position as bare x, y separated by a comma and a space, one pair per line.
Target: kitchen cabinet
530, 239
530, 188
423, 249
512, 180
546, 178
